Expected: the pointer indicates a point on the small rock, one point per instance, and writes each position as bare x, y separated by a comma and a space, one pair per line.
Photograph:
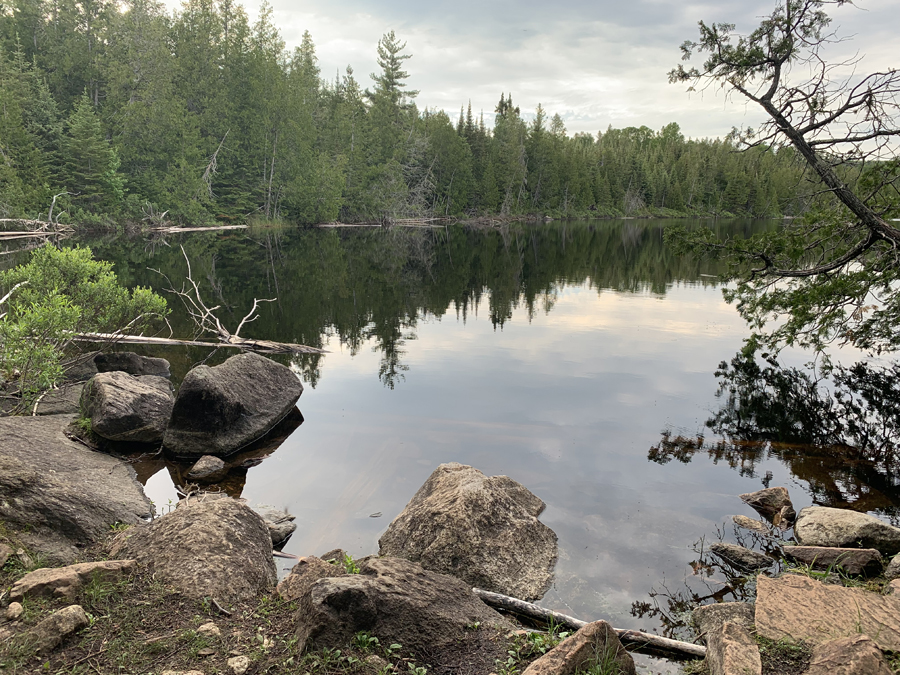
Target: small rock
855, 655
126, 408
731, 650
709, 618
67, 582
740, 557
580, 651
841, 528
280, 523
750, 524
25, 559
893, 587
209, 630
769, 502
239, 664
850, 560
336, 555
51, 632
5, 552
132, 363
207, 469
14, 611
182, 672
892, 571
376, 662
206, 651
304, 574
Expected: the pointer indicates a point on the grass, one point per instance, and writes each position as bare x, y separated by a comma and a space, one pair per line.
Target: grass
783, 657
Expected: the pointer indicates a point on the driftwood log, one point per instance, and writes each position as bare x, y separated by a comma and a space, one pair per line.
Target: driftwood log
262, 346
631, 638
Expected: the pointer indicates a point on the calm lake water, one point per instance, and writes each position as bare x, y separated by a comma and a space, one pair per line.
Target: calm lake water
556, 354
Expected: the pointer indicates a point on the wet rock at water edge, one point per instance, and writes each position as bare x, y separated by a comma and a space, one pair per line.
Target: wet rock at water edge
482, 530
855, 655
280, 523
594, 643
849, 560
752, 525
210, 546
740, 557
841, 528
133, 364
221, 409
126, 408
436, 617
771, 503
207, 469
64, 494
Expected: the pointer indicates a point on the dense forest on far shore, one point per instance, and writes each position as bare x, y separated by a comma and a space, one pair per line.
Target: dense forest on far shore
124, 112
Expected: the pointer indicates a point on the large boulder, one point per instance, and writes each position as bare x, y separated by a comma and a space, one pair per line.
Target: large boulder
593, 644
210, 546
840, 528
221, 409
482, 530
801, 608
64, 494
127, 408
436, 618
132, 363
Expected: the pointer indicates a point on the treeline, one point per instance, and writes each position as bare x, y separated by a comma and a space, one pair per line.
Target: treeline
124, 111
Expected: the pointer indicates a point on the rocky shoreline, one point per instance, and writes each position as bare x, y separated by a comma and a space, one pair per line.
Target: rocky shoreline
94, 581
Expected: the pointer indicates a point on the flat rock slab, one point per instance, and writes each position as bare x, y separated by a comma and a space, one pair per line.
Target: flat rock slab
708, 618
67, 582
61, 490
209, 546
482, 530
801, 608
857, 655
128, 408
594, 643
221, 409
841, 528
731, 650
850, 560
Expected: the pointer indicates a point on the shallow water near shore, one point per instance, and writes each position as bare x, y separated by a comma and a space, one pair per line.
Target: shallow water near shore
554, 353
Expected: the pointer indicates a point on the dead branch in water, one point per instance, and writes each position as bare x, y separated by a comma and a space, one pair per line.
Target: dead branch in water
632, 638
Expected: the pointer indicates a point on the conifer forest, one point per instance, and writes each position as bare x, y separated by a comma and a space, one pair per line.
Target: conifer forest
125, 112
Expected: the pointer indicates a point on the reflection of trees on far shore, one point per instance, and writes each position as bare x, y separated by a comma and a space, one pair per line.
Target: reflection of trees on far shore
839, 434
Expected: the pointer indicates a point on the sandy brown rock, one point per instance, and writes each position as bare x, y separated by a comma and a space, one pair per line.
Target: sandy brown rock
304, 574
708, 618
52, 631
731, 650
841, 528
892, 571
14, 611
5, 552
65, 494
590, 645
127, 408
481, 530
850, 560
209, 546
856, 655
67, 582
801, 608
770, 502
750, 524
432, 615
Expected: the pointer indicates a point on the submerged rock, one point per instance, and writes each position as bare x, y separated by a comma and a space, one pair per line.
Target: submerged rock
126, 408
840, 528
482, 530
65, 494
210, 546
133, 364
221, 409
435, 617
772, 503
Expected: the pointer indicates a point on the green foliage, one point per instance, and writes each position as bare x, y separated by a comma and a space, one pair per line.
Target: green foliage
57, 294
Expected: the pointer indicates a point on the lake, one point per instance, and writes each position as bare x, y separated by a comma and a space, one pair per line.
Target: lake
554, 353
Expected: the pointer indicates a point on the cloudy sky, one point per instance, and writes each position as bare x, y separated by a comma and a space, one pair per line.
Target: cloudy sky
597, 63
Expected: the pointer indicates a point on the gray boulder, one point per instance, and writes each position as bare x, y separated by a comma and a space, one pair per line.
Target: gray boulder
304, 574
850, 560
437, 618
740, 557
207, 469
482, 530
127, 408
209, 546
221, 409
63, 493
280, 523
840, 528
133, 364
771, 503
62, 401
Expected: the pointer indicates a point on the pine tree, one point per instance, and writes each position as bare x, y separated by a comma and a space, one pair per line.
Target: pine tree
91, 164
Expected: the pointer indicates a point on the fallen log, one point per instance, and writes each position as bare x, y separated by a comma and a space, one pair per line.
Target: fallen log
631, 638
263, 346
212, 228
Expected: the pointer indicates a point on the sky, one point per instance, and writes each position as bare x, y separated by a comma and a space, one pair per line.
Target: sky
597, 63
